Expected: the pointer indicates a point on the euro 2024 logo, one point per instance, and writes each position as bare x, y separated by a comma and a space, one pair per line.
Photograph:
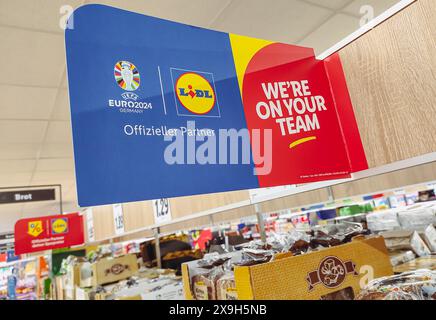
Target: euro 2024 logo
128, 78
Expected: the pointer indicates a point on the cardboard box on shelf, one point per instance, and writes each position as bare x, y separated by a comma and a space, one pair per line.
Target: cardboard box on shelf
157, 289
405, 240
109, 270
135, 297
400, 257
417, 219
341, 271
383, 220
428, 262
169, 292
430, 237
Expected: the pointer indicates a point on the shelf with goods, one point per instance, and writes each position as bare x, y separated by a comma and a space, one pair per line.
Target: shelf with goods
279, 200
415, 235
230, 233
139, 277
24, 279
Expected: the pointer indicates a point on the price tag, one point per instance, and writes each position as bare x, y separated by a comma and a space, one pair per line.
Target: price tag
399, 192
431, 186
162, 210
118, 218
90, 224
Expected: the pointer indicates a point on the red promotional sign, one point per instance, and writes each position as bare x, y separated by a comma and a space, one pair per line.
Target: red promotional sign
49, 232
305, 102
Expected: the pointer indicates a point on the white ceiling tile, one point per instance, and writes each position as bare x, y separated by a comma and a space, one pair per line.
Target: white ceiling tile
379, 6
35, 14
14, 166
61, 110
331, 32
39, 209
64, 84
52, 182
285, 21
19, 151
57, 150
17, 102
55, 165
31, 58
22, 131
194, 12
15, 179
71, 191
53, 177
58, 132
332, 4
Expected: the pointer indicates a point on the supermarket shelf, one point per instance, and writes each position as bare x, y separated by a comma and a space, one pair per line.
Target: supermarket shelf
347, 217
427, 158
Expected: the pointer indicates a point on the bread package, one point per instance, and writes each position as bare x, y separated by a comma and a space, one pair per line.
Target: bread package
204, 285
415, 285
383, 220
430, 237
226, 287
406, 240
417, 219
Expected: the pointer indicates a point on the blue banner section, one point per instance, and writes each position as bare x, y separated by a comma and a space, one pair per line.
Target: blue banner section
134, 80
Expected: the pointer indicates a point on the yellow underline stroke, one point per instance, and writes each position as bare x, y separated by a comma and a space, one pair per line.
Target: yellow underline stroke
300, 141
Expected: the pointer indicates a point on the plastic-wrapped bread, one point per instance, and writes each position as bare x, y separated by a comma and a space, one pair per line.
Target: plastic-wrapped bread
204, 285
226, 287
415, 285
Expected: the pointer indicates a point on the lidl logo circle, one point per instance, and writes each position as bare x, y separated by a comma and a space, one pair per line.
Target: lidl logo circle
127, 75
195, 93
59, 226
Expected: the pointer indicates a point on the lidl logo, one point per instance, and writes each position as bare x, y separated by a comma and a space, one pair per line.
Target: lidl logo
127, 75
59, 226
34, 228
195, 93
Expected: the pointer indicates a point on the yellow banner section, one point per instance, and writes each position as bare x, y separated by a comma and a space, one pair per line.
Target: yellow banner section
244, 48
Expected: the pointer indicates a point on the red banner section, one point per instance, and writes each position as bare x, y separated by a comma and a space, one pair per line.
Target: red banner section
49, 232
305, 102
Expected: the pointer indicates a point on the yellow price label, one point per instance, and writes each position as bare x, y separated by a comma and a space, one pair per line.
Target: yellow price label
34, 228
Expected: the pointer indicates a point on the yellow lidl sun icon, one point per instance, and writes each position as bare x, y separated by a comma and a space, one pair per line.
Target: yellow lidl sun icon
195, 93
34, 228
59, 226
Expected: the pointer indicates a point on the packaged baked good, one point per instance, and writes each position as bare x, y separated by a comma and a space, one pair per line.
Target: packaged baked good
400, 257
335, 234
251, 257
322, 239
226, 287
406, 240
204, 285
415, 285
212, 263
300, 246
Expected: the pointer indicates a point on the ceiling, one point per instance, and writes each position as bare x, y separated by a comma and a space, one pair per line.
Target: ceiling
35, 131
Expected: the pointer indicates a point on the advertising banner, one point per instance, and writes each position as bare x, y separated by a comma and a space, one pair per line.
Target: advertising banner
161, 109
49, 232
